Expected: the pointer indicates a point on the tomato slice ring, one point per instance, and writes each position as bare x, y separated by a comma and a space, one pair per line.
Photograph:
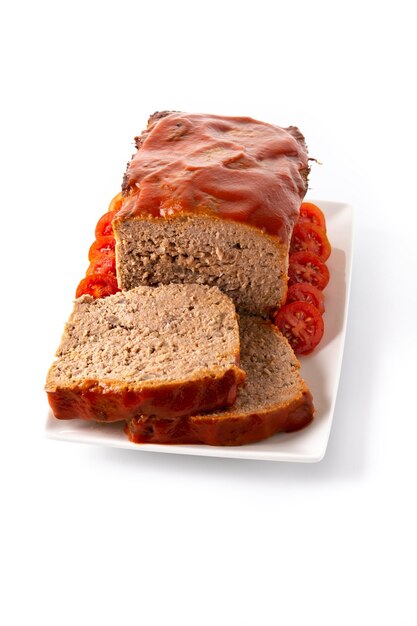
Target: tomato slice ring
104, 226
98, 286
104, 263
311, 213
304, 292
100, 245
305, 267
307, 237
302, 325
116, 202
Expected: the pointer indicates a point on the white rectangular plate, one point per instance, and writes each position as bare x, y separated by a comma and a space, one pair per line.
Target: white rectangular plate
321, 371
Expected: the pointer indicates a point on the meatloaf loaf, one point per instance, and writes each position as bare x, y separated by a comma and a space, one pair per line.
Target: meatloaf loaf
273, 398
213, 200
171, 350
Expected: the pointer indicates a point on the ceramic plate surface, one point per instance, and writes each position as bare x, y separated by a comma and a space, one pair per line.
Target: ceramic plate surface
321, 370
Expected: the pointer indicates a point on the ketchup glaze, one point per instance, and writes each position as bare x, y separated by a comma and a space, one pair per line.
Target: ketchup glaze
233, 168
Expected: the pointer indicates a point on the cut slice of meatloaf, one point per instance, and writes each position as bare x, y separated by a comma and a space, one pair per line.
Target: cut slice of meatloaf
212, 200
172, 349
273, 398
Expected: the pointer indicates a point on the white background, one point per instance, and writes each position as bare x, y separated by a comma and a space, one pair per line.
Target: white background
98, 536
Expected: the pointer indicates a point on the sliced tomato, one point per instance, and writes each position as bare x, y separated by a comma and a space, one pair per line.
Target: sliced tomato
304, 292
310, 212
307, 237
305, 267
101, 244
104, 225
302, 324
116, 203
97, 285
104, 263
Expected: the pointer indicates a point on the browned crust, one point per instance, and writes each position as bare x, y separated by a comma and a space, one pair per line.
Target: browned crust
305, 172
225, 430
111, 402
153, 119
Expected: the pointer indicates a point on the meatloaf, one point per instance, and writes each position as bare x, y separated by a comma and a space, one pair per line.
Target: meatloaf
171, 350
273, 398
213, 200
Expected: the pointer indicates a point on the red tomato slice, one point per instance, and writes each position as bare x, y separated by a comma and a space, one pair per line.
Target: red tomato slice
309, 212
307, 237
305, 267
104, 227
101, 244
302, 324
304, 292
97, 285
104, 263
116, 203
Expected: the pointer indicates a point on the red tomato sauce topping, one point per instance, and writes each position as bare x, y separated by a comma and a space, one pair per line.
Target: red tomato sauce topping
232, 167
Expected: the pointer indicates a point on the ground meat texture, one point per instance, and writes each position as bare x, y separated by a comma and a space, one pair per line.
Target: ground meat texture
169, 349
273, 398
247, 265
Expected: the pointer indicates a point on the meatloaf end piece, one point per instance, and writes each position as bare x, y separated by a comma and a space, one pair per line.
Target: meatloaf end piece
213, 200
273, 398
172, 349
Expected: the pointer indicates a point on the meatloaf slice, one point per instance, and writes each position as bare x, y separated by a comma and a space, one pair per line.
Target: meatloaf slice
212, 199
173, 350
273, 398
